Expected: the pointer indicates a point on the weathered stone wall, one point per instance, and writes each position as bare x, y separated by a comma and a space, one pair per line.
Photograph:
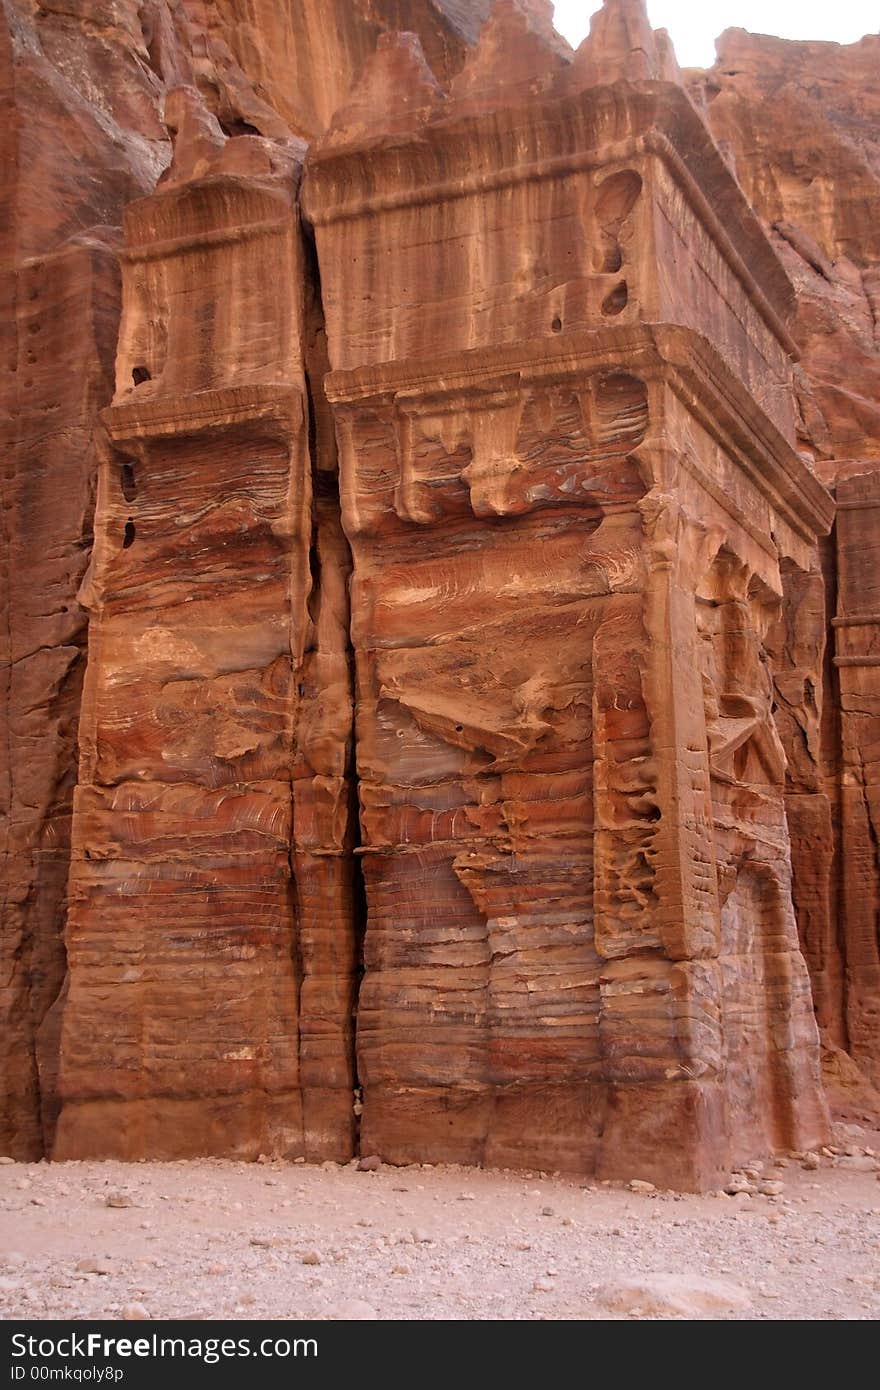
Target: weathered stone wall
531, 712
211, 812
581, 946
799, 123
67, 165
857, 662
82, 94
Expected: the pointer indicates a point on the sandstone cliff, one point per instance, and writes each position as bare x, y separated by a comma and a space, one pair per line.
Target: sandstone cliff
528, 704
82, 93
800, 123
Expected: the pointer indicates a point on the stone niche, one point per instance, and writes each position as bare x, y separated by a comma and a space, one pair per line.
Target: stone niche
562, 393
210, 937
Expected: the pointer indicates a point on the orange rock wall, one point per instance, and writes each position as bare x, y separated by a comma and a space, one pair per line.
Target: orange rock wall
573, 831
799, 122
82, 92
527, 708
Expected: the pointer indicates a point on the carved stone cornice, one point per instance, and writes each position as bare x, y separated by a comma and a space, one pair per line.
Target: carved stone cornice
682, 359
277, 409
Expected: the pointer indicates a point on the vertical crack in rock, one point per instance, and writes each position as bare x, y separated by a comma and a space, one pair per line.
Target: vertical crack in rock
54, 65
831, 762
192, 728
796, 647
359, 922
328, 927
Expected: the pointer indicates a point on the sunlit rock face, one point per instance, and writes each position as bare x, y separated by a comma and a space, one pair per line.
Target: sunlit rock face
564, 406
799, 124
91, 92
427, 730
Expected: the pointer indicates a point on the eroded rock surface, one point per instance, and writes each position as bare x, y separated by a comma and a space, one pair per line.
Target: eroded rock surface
529, 707
83, 89
799, 122
572, 784
79, 139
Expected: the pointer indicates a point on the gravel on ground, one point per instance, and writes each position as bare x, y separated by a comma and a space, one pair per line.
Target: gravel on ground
796, 1237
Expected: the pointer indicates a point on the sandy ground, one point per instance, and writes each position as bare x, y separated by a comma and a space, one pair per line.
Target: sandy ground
211, 1239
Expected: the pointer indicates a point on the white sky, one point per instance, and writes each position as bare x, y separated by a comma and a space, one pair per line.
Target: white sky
695, 24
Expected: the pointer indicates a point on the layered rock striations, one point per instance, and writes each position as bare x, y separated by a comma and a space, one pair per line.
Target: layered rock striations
83, 89
209, 932
581, 948
465, 765
799, 123
303, 56
79, 139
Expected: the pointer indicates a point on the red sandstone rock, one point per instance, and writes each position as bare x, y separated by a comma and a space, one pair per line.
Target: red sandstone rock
579, 912
65, 165
604, 750
800, 123
858, 673
82, 90
304, 55
211, 881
